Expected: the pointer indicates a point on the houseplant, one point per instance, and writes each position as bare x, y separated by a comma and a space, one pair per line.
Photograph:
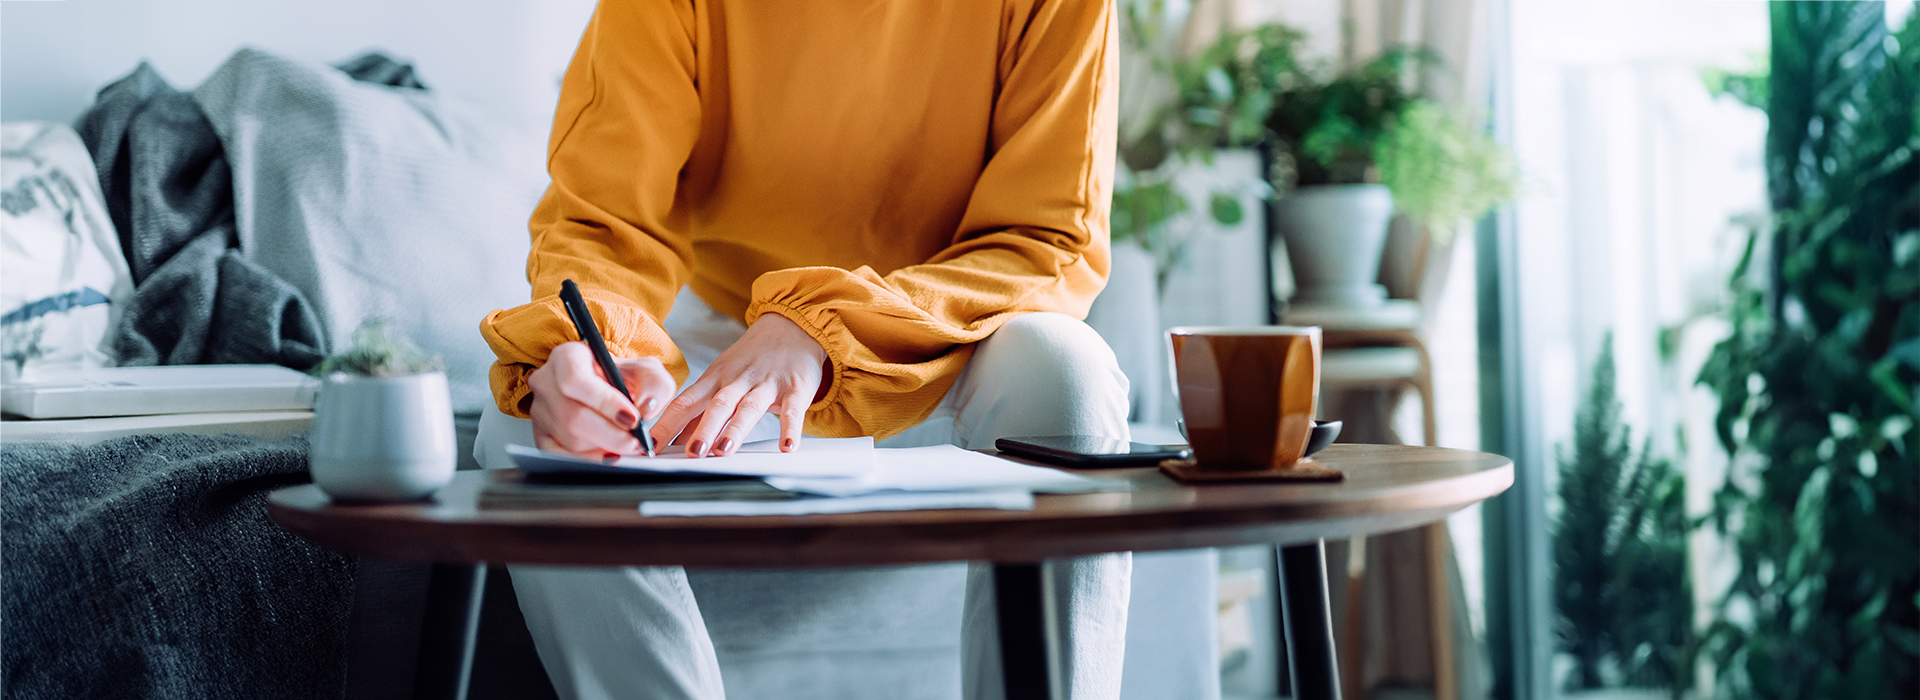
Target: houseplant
1622, 602
383, 424
1819, 380
1351, 151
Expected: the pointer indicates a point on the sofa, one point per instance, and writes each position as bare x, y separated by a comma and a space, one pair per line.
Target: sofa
355, 197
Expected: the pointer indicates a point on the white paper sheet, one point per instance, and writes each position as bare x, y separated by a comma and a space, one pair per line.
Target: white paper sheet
816, 457
1003, 499
947, 468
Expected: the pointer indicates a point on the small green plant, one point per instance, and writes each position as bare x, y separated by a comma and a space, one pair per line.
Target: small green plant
378, 353
1623, 605
1366, 126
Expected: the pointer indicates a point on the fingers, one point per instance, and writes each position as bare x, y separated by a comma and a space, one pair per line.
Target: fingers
703, 438
682, 411
793, 418
649, 382
565, 426
576, 410
719, 424
746, 414
578, 378
774, 364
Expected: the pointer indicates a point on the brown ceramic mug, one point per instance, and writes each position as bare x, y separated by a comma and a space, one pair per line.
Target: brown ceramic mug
1247, 395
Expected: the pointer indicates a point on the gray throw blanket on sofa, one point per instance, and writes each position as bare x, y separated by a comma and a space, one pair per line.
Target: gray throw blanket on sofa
169, 191
145, 567
169, 188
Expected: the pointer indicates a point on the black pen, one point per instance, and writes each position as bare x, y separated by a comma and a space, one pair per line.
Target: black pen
590, 334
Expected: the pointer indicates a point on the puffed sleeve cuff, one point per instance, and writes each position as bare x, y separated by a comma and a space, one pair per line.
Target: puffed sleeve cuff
523, 336
892, 362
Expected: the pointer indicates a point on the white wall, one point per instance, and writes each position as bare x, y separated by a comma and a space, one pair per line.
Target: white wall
506, 55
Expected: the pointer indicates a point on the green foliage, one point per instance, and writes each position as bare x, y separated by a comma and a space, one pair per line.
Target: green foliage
1326, 129
1367, 126
1819, 382
1228, 90
1749, 86
1142, 208
378, 353
1440, 171
1218, 98
1622, 600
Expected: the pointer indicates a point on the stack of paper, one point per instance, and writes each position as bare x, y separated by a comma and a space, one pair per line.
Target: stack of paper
817, 457
838, 476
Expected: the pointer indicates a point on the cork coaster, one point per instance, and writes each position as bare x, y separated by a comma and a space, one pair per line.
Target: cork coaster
1188, 471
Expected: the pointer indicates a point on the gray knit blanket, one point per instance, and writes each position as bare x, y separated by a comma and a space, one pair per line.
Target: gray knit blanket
145, 567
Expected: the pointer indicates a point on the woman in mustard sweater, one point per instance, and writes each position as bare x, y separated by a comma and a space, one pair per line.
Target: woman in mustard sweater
847, 218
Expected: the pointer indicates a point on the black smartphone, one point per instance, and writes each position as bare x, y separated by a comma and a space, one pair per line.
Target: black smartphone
1089, 452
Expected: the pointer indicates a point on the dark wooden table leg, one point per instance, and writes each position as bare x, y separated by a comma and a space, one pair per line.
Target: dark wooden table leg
1307, 622
1019, 596
450, 631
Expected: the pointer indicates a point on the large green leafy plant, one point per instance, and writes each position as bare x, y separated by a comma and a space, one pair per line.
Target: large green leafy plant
1820, 380
1623, 607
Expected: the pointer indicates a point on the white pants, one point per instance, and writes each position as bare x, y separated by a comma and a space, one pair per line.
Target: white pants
636, 632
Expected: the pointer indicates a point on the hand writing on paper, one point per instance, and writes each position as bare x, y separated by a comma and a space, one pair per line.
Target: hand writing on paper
776, 367
575, 410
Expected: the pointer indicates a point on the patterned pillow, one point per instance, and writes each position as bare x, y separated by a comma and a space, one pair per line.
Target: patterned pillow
62, 276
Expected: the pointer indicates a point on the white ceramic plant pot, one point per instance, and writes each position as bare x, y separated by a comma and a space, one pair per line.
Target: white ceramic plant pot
1334, 236
383, 438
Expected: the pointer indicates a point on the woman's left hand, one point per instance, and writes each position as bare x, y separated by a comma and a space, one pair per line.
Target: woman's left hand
776, 367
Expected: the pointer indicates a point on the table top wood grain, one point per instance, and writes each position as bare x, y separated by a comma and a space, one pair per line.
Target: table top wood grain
1388, 487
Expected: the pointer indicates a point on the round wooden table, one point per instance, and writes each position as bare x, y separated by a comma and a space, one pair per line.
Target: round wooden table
1387, 488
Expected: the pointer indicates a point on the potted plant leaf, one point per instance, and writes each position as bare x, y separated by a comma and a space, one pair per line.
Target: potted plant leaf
1353, 150
383, 424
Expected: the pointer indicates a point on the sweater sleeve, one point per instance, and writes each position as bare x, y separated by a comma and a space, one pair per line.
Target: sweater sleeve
628, 118
1034, 235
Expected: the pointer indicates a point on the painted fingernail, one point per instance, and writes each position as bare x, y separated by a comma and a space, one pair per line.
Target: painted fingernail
786, 444
626, 418
697, 449
724, 446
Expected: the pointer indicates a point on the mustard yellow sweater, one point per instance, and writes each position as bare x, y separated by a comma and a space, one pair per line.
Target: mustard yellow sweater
898, 177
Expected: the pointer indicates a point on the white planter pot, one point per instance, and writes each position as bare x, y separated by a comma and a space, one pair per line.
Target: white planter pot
383, 438
1334, 236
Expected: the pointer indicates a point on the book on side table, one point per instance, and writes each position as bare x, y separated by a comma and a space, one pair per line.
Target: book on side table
136, 391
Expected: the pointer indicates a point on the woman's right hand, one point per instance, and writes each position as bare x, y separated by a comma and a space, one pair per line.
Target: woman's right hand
575, 410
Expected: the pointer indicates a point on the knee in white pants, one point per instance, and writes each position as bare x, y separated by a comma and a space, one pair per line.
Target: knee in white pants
1041, 374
